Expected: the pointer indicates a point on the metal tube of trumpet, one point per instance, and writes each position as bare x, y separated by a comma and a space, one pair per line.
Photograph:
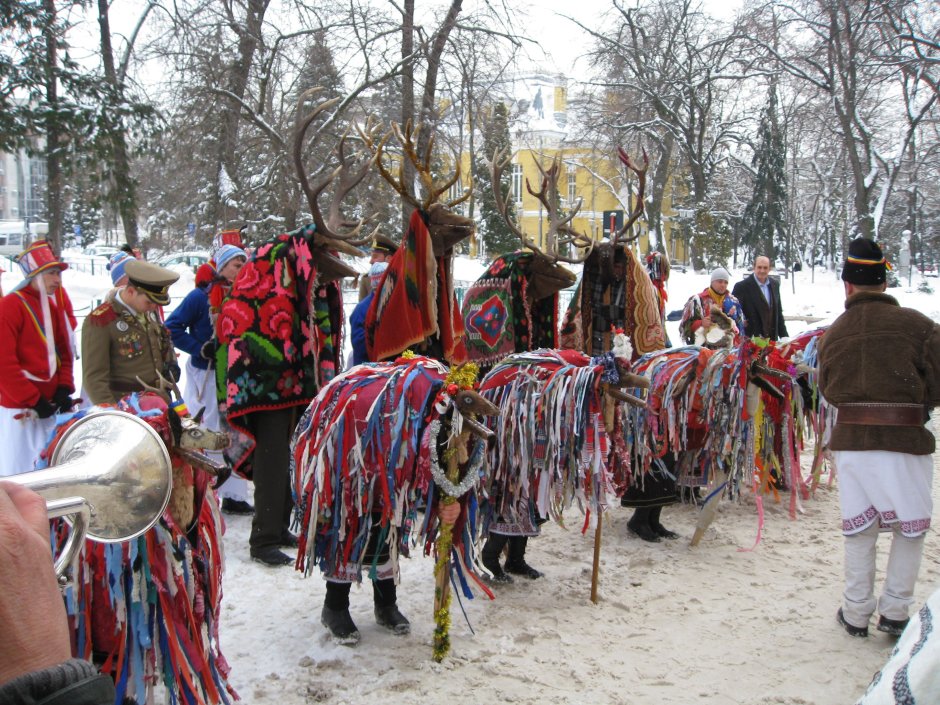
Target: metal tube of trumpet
110, 475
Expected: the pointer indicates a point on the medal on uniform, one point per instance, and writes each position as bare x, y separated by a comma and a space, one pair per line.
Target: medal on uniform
122, 326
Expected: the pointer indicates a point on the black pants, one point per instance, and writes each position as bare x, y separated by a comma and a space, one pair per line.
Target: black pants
273, 504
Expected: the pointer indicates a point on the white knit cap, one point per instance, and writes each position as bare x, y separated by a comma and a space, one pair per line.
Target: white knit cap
720, 273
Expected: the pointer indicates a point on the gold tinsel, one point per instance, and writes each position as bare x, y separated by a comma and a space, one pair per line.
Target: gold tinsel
464, 376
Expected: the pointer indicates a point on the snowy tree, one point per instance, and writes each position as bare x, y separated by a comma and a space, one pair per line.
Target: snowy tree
497, 235
764, 226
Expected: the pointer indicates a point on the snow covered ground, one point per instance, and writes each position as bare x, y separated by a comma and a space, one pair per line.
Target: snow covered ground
674, 625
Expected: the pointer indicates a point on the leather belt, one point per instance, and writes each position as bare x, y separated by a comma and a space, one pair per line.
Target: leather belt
118, 386
882, 414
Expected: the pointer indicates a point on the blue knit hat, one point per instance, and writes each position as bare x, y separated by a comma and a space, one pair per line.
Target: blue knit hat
226, 254
116, 266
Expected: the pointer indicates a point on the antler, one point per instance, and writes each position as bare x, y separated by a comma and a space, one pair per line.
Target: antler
501, 158
347, 175
560, 231
166, 386
408, 138
639, 205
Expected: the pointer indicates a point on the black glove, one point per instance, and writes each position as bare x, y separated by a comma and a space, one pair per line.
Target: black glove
172, 372
43, 408
208, 351
62, 399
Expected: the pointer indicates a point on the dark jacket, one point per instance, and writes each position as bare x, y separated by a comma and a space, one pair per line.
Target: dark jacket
878, 351
75, 682
762, 318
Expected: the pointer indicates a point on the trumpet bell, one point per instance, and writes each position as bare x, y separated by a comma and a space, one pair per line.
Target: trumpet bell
116, 465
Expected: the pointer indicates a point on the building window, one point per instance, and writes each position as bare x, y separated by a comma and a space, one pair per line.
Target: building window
572, 186
517, 183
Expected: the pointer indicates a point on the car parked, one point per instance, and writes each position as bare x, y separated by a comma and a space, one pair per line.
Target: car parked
193, 260
100, 251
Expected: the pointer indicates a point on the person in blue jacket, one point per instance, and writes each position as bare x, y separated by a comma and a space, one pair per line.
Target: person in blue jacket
357, 321
191, 328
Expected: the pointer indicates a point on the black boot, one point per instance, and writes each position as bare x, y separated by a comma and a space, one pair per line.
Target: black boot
490, 556
387, 615
515, 563
335, 615
658, 528
639, 525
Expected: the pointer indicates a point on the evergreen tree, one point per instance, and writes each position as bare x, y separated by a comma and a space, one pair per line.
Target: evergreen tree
764, 225
497, 235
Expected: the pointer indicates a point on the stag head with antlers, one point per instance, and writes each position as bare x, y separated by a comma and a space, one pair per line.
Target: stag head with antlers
446, 227
335, 232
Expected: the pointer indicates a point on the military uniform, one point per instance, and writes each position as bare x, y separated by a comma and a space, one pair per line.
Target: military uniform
119, 345
386, 247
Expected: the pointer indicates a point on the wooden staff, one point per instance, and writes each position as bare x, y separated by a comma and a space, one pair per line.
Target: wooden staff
597, 556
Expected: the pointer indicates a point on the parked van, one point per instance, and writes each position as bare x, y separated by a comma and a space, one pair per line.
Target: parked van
14, 237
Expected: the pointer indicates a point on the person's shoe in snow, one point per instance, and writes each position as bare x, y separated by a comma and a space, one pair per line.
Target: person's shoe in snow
894, 627
852, 630
389, 617
270, 556
341, 627
236, 506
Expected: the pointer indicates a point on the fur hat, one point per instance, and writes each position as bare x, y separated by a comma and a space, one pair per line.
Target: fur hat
865, 264
38, 258
720, 274
116, 265
375, 273
226, 254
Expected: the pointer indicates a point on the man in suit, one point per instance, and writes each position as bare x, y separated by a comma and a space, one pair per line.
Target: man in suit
759, 295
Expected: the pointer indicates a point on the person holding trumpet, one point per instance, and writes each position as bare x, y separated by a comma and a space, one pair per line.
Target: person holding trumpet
36, 664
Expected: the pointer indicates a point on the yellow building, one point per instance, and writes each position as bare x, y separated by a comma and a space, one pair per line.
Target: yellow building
539, 135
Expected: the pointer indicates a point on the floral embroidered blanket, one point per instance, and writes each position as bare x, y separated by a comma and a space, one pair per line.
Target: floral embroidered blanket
280, 331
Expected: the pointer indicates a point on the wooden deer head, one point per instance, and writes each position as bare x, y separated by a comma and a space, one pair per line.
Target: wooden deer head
446, 227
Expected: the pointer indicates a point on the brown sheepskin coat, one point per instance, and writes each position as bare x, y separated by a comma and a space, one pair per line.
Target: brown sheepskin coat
878, 351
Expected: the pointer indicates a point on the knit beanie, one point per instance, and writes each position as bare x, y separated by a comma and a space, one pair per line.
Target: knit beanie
116, 265
865, 264
226, 254
720, 274
375, 273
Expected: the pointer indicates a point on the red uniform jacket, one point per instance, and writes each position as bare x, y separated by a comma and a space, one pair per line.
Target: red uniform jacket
22, 347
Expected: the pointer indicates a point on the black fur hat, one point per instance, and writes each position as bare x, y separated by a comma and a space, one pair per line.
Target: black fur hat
865, 264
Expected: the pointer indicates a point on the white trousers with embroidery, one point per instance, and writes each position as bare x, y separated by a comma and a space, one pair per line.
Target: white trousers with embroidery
882, 490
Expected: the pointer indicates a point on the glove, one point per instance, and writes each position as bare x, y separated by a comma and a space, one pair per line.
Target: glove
43, 408
172, 372
62, 399
208, 351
